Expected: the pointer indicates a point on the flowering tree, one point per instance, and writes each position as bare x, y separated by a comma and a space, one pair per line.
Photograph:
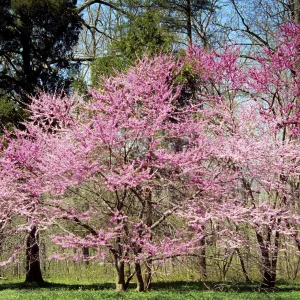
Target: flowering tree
252, 121
135, 161
110, 152
25, 178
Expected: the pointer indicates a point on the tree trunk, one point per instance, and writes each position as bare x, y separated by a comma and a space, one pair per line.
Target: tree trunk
140, 282
120, 280
27, 70
296, 11
269, 278
189, 21
86, 254
148, 274
247, 278
202, 260
268, 265
33, 267
149, 222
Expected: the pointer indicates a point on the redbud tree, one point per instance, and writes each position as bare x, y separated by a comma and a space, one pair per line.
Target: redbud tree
252, 119
111, 153
141, 174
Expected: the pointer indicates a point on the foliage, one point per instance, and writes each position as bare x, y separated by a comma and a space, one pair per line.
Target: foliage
143, 34
181, 15
138, 178
107, 66
10, 114
36, 41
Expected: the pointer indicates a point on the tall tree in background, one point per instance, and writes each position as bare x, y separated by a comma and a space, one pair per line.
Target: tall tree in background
182, 16
296, 10
142, 34
116, 33
36, 41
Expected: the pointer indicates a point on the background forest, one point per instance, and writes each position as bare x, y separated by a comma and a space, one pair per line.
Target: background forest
150, 140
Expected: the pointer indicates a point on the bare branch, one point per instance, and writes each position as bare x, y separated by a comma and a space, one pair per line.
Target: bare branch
248, 30
91, 2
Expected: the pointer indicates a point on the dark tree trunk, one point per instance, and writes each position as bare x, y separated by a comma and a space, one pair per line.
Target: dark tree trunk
120, 280
149, 222
296, 11
247, 278
189, 21
33, 267
1, 241
28, 76
140, 282
269, 279
269, 263
86, 254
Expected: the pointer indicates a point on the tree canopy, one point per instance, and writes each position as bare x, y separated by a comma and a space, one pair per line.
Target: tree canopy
36, 42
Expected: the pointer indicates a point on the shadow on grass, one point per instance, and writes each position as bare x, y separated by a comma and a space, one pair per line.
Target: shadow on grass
203, 286
56, 286
240, 287
176, 286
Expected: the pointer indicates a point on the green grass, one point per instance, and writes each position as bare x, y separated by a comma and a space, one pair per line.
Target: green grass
161, 291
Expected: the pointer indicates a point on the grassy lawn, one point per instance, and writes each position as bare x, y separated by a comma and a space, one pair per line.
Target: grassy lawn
160, 291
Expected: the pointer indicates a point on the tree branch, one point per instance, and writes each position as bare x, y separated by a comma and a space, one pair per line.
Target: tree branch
164, 216
92, 27
91, 2
247, 30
